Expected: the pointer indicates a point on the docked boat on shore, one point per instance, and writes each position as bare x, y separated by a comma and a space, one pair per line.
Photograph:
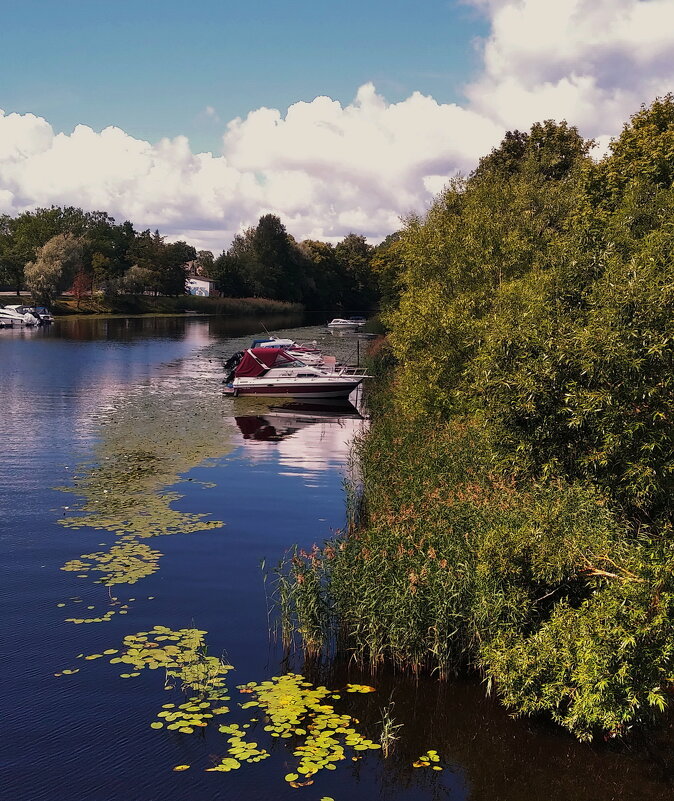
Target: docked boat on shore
20, 315
342, 322
275, 372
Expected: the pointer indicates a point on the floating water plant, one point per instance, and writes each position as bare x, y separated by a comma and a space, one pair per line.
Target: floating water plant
294, 709
293, 706
125, 563
146, 444
427, 760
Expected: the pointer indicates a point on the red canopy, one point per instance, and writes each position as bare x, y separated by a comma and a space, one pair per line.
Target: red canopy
257, 361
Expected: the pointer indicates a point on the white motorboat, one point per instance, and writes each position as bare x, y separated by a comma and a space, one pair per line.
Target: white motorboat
46, 317
19, 315
341, 322
275, 372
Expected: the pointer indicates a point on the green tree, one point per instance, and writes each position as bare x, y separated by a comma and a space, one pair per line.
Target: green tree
354, 256
57, 262
204, 262
276, 268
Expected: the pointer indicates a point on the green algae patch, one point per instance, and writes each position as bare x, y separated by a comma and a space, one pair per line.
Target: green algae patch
149, 437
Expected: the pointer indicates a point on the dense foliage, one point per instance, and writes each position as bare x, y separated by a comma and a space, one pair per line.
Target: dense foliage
36, 251
266, 261
518, 478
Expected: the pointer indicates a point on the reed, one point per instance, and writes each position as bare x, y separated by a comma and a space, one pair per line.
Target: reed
389, 729
302, 601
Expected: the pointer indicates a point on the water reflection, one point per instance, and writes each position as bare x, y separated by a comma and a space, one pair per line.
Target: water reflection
288, 419
199, 328
304, 439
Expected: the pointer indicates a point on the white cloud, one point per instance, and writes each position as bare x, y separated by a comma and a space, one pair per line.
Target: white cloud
327, 169
324, 168
591, 62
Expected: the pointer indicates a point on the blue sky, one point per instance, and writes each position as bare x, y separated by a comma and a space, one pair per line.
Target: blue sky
198, 117
153, 67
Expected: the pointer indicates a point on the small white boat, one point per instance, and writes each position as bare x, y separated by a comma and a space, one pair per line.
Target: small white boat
341, 322
275, 372
19, 315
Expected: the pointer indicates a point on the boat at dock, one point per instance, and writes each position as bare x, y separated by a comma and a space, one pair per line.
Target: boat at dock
342, 322
275, 372
24, 315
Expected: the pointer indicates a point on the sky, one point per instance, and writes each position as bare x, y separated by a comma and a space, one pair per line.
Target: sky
197, 118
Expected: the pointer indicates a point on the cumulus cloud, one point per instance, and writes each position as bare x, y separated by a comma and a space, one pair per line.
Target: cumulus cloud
591, 62
328, 169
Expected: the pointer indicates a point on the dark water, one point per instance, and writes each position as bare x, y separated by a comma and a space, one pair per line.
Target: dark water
82, 393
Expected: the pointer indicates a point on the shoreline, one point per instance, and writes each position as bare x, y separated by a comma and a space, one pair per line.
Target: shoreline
138, 305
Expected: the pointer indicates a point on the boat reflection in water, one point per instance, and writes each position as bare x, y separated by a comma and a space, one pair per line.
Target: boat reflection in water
306, 441
291, 418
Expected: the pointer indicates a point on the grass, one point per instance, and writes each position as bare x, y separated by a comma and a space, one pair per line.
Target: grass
146, 304
389, 729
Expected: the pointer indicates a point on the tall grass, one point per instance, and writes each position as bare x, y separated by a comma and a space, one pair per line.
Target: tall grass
146, 304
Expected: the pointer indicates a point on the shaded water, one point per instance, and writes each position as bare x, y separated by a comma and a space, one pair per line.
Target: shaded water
128, 413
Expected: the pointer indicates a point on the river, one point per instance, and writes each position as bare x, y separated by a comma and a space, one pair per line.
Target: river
134, 495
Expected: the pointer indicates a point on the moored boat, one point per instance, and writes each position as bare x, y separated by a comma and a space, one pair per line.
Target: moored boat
275, 372
19, 315
342, 322
46, 317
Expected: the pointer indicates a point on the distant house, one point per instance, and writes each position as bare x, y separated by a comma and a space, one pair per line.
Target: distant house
197, 285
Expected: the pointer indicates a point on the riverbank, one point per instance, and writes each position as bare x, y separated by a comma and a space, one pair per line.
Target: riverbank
145, 304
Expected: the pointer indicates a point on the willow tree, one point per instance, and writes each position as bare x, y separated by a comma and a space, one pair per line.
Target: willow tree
54, 268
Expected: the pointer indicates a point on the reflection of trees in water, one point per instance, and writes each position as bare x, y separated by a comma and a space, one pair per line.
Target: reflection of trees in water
486, 753
171, 326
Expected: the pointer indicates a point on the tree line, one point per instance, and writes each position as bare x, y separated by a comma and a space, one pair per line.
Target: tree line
50, 250
519, 474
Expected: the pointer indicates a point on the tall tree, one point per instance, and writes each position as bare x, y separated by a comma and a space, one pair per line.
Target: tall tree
57, 262
355, 258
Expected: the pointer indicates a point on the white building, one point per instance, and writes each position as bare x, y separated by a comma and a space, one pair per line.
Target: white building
197, 285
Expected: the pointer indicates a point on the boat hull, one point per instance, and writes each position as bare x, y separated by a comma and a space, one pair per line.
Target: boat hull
314, 391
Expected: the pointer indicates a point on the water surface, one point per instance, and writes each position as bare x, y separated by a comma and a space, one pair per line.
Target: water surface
127, 414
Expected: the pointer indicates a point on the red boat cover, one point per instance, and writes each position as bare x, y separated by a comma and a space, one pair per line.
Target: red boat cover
257, 361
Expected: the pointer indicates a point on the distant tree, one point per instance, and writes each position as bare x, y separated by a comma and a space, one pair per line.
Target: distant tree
58, 260
173, 260
325, 277
355, 257
20, 238
82, 286
138, 279
232, 269
274, 268
204, 262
